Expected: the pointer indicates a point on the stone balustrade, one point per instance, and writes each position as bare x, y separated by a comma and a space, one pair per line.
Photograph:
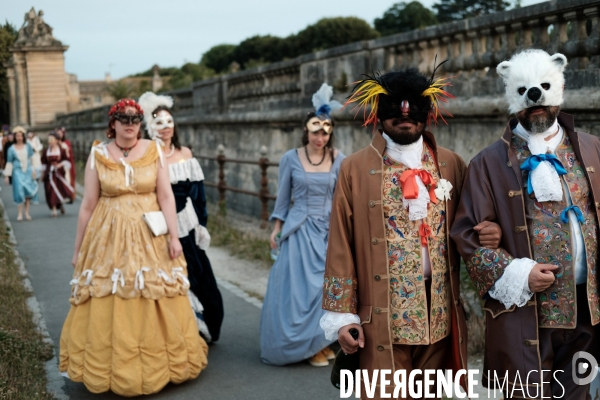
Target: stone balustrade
264, 105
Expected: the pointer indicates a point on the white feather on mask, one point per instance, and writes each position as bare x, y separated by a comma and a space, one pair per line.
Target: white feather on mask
149, 102
530, 69
322, 101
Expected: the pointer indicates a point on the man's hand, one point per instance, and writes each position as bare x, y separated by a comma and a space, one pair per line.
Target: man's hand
490, 234
541, 277
347, 342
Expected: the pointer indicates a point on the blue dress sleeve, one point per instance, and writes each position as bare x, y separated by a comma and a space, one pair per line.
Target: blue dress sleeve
29, 151
12, 155
284, 188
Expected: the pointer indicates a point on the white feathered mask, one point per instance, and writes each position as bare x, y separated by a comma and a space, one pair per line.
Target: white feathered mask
533, 78
155, 122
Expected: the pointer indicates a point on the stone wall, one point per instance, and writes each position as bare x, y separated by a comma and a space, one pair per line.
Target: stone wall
265, 105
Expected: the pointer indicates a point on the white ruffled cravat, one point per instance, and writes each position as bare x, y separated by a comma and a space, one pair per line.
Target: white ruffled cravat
544, 179
411, 156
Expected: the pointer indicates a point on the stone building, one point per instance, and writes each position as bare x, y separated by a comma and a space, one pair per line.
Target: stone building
39, 87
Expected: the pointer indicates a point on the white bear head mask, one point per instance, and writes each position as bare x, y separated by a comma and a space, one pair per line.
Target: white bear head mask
533, 78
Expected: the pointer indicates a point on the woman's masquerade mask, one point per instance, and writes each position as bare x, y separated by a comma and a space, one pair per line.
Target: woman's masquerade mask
161, 121
316, 124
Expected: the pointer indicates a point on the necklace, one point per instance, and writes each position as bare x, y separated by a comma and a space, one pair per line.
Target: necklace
126, 150
308, 158
171, 152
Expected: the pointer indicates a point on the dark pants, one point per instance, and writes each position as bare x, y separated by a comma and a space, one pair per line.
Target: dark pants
557, 348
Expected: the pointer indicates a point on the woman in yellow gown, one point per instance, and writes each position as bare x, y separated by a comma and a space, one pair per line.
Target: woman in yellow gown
131, 328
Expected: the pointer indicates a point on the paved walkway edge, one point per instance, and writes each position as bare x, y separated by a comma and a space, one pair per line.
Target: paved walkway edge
55, 381
239, 292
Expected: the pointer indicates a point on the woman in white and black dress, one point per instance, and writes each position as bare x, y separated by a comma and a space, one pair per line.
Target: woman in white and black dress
187, 181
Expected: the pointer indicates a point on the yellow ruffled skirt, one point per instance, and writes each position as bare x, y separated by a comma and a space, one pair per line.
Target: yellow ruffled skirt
131, 346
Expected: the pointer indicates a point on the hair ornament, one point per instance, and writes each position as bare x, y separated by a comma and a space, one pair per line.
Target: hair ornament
322, 102
122, 105
437, 95
366, 93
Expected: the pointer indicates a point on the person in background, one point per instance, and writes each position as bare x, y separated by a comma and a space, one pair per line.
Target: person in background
66, 144
34, 141
56, 166
289, 323
7, 141
20, 167
187, 181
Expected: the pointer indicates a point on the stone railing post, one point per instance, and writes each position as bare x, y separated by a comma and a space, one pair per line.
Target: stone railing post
263, 162
221, 185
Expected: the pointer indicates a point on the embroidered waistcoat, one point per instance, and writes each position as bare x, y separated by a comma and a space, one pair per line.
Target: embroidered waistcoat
410, 321
552, 241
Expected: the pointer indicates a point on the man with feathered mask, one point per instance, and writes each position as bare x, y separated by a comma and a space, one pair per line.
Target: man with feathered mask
391, 271
540, 182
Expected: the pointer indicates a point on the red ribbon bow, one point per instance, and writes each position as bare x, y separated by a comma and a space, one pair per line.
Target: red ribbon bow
410, 190
424, 232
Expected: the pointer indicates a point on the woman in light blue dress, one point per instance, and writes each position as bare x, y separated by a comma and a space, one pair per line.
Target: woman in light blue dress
20, 167
289, 326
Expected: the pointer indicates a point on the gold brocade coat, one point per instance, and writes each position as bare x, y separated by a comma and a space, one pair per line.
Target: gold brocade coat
357, 255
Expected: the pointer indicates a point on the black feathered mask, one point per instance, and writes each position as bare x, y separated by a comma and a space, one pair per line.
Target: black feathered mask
408, 91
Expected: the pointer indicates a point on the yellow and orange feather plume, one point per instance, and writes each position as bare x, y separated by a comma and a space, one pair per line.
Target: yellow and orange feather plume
438, 95
366, 93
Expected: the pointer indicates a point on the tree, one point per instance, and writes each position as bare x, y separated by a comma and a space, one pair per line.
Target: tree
8, 35
453, 10
331, 32
404, 17
188, 73
218, 58
265, 49
121, 90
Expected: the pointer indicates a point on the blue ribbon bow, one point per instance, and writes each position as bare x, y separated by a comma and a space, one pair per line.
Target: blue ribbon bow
564, 215
533, 161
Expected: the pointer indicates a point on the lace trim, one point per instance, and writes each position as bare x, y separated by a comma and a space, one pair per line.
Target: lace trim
199, 314
187, 220
411, 155
513, 286
417, 208
331, 322
23, 156
187, 170
545, 181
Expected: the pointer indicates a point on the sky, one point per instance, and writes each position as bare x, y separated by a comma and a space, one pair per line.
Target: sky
124, 37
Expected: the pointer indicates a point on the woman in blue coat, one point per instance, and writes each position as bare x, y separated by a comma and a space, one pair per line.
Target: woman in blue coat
20, 167
289, 326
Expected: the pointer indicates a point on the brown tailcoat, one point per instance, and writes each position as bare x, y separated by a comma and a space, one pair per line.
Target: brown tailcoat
493, 191
357, 251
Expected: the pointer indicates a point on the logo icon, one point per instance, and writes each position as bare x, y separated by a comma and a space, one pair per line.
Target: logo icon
584, 363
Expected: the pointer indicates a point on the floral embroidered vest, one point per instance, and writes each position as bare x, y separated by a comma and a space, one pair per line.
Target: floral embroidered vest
551, 240
410, 321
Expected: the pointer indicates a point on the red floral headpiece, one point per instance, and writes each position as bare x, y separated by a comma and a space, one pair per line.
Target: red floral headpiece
124, 103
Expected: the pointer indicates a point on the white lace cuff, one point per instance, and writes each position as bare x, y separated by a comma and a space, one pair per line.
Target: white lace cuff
331, 322
513, 286
8, 169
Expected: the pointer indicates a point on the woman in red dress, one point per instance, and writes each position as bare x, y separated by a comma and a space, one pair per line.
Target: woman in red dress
56, 166
66, 144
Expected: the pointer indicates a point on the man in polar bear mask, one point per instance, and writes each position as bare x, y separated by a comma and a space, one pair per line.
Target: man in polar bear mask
541, 183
